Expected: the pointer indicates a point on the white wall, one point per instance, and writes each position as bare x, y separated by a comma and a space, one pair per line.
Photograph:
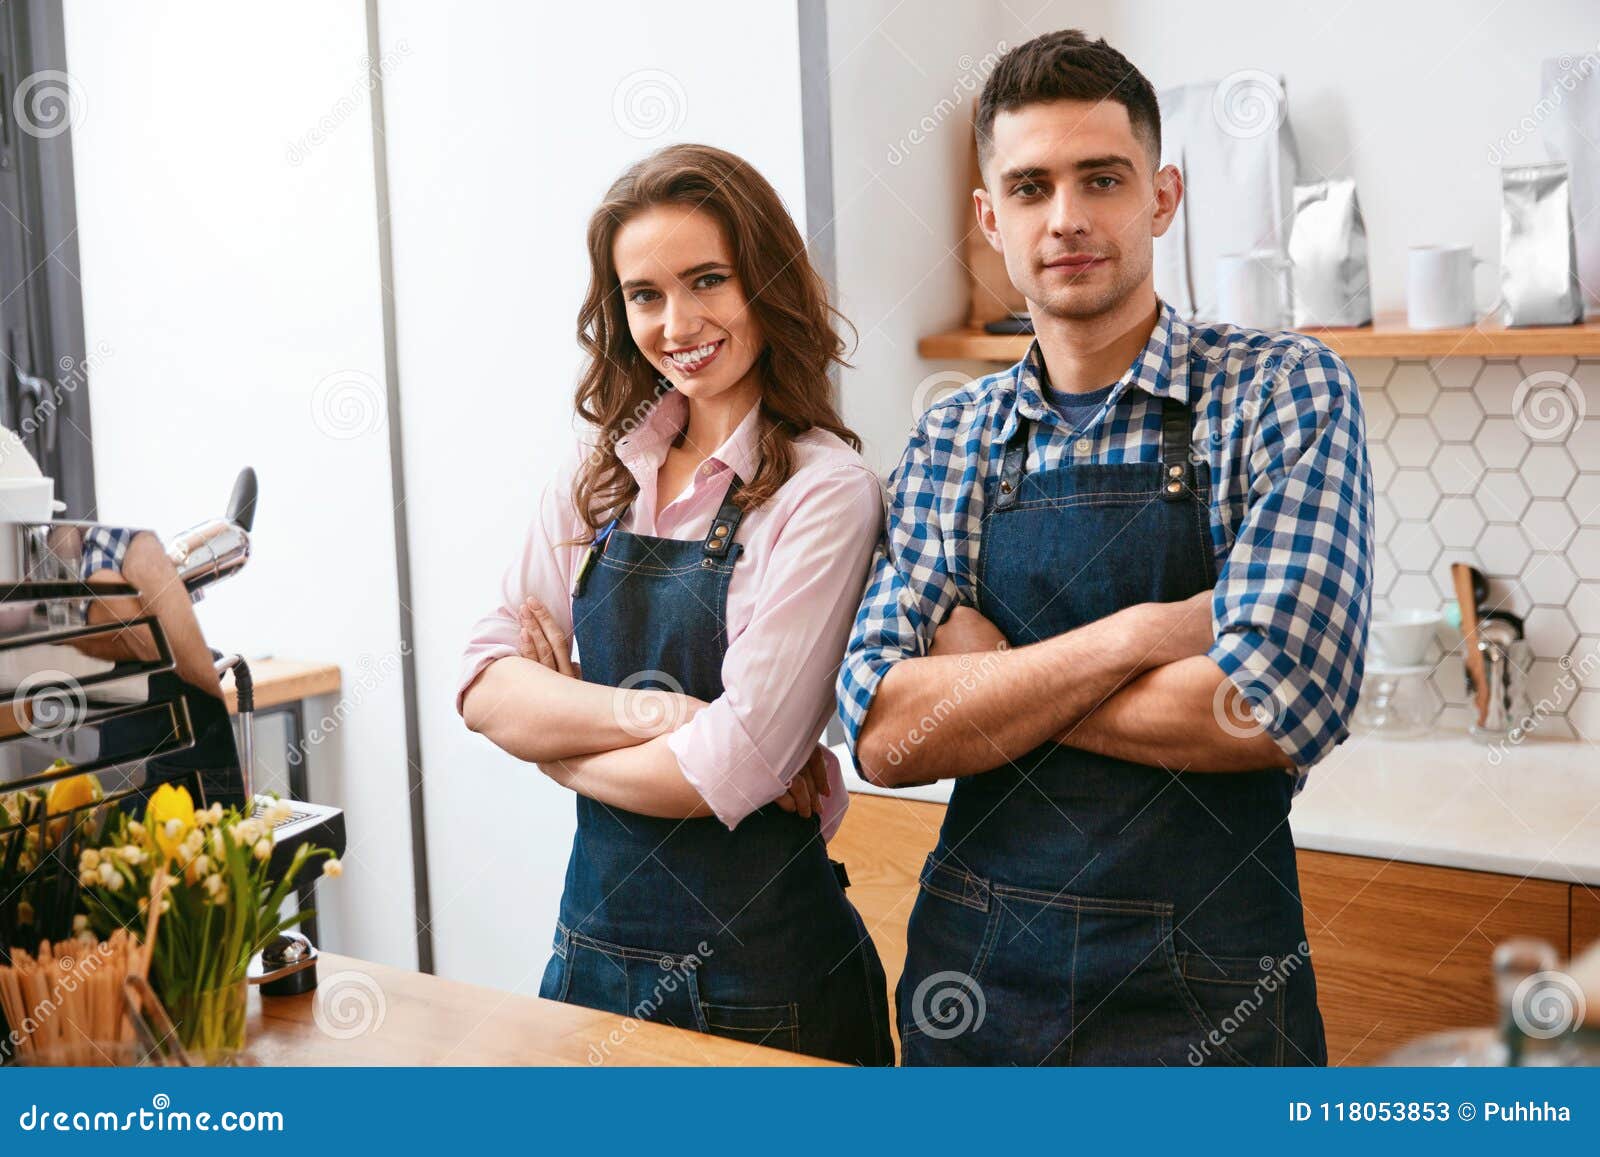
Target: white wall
901, 212
229, 258
501, 139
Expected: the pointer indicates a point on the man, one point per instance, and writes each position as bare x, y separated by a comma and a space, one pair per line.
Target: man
1123, 602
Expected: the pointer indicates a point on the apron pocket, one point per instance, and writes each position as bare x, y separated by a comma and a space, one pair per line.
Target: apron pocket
774, 1025
556, 974
1085, 980
1240, 1002
952, 926
643, 983
1263, 1009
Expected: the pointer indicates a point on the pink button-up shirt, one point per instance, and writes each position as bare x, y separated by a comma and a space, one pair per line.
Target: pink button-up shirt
791, 600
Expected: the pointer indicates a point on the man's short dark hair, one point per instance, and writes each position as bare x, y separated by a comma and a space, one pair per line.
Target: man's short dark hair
1067, 65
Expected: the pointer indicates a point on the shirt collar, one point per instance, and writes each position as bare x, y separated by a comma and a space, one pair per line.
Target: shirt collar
1160, 370
644, 450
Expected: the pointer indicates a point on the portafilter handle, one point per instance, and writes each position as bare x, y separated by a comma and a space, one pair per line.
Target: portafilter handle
218, 547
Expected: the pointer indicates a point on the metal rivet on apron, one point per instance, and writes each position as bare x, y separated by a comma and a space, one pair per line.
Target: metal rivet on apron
1174, 487
1175, 471
1005, 488
708, 563
720, 531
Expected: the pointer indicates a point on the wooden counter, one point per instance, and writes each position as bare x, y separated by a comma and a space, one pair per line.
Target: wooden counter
376, 1015
279, 681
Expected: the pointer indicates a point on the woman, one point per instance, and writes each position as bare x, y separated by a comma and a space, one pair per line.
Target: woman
708, 548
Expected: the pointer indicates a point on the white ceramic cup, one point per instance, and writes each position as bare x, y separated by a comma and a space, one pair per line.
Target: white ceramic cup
22, 500
1254, 290
1440, 293
1400, 638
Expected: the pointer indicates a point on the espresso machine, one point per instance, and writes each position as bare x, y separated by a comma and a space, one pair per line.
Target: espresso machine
104, 670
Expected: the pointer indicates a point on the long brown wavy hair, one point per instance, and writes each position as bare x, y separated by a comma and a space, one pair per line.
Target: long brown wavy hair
787, 297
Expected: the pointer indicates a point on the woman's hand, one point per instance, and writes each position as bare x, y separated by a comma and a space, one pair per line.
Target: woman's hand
541, 640
808, 786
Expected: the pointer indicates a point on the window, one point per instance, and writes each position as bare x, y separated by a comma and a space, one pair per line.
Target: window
44, 367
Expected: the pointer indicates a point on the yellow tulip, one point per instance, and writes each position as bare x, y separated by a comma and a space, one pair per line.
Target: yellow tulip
70, 794
169, 817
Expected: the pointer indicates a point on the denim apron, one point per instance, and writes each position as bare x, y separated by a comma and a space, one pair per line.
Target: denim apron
745, 934
1081, 909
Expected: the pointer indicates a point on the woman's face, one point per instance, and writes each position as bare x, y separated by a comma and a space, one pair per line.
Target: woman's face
686, 309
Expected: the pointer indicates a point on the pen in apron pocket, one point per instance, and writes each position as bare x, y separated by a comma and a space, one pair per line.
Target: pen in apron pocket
597, 547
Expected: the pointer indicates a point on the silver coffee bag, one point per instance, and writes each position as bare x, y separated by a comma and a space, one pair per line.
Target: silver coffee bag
1538, 255
1569, 121
1328, 251
1233, 143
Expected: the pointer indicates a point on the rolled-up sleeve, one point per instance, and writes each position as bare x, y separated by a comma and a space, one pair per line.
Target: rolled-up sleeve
1294, 598
911, 588
542, 570
741, 752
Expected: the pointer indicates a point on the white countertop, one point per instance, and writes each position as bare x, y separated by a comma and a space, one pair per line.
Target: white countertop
1526, 810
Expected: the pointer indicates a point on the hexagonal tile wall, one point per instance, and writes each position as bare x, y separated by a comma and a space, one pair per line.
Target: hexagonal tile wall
1462, 475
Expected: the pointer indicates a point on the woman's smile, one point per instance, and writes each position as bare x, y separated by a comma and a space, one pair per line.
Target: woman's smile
692, 360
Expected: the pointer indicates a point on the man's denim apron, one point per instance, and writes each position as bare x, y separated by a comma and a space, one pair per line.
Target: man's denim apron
1080, 909
744, 934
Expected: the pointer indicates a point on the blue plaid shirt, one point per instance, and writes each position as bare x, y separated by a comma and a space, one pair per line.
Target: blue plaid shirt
1277, 417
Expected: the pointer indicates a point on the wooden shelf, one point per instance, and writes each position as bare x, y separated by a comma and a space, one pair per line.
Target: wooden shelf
1388, 338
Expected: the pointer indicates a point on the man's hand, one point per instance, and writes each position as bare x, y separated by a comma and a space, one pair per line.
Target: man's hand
964, 632
1167, 633
808, 787
1178, 630
541, 640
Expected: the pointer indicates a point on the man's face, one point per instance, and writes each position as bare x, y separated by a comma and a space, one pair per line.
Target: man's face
1072, 201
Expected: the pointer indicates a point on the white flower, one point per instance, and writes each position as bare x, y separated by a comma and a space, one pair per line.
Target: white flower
278, 813
133, 854
333, 869
173, 828
115, 882
201, 864
88, 879
89, 861
108, 875
213, 882
263, 848
80, 923
136, 829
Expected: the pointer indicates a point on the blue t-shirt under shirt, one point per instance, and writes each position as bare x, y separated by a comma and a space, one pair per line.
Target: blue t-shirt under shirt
1077, 409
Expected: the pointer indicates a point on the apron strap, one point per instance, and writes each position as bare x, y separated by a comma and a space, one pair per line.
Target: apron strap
1177, 472
1016, 456
1176, 475
726, 524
